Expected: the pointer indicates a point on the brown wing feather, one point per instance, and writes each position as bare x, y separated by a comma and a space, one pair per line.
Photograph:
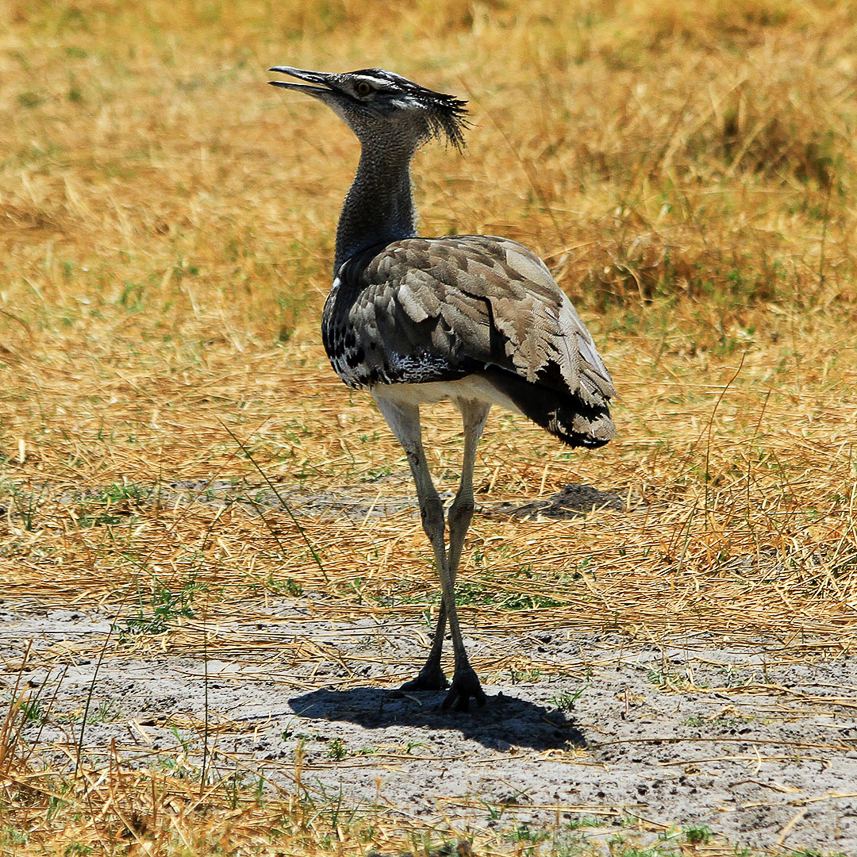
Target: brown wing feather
421, 310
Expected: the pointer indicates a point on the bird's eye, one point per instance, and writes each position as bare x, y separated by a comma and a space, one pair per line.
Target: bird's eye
362, 88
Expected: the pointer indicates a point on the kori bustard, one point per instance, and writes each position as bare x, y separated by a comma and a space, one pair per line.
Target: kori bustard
472, 318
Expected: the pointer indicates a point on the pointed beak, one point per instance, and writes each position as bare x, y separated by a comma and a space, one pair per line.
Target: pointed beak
317, 82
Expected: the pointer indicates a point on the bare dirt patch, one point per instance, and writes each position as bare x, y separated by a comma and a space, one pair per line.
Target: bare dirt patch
699, 732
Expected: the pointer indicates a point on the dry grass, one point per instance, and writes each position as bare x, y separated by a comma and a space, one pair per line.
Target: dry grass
688, 170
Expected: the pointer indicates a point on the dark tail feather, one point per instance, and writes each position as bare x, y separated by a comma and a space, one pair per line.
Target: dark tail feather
564, 416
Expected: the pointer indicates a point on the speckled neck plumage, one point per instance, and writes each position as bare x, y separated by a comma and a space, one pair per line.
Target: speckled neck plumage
379, 206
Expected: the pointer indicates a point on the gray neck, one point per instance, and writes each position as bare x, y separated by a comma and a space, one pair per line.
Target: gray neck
379, 207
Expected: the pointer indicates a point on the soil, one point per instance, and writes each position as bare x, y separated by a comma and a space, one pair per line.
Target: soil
700, 732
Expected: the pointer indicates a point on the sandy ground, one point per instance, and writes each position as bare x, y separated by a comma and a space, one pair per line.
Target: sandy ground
698, 732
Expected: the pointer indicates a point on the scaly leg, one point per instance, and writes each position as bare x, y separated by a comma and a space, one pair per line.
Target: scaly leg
460, 513
404, 420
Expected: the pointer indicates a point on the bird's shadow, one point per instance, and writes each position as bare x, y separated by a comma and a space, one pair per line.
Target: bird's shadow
502, 723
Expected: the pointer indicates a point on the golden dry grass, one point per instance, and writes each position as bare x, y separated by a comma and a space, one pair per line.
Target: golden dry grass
686, 168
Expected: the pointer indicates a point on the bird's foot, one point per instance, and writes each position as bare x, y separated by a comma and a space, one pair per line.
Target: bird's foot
465, 685
429, 678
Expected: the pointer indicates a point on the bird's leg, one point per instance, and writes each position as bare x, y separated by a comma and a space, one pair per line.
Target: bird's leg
460, 512
432, 676
404, 420
464, 683
474, 413
458, 520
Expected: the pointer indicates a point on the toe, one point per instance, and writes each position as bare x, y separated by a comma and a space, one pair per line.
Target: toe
427, 680
465, 685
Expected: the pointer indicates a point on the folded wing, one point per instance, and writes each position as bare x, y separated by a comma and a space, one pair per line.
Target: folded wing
426, 310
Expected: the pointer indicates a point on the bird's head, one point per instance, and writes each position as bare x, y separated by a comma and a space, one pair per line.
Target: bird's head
380, 106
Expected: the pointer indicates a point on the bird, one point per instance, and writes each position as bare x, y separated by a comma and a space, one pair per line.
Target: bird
476, 319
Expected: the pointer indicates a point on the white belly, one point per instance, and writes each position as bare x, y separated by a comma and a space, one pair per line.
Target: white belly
472, 388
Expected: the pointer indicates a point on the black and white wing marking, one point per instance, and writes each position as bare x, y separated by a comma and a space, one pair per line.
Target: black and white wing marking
421, 310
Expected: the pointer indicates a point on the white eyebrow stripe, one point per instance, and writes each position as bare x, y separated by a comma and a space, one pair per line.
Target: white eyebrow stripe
376, 81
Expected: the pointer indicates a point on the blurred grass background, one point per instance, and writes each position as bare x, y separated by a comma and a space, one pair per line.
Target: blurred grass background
686, 168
